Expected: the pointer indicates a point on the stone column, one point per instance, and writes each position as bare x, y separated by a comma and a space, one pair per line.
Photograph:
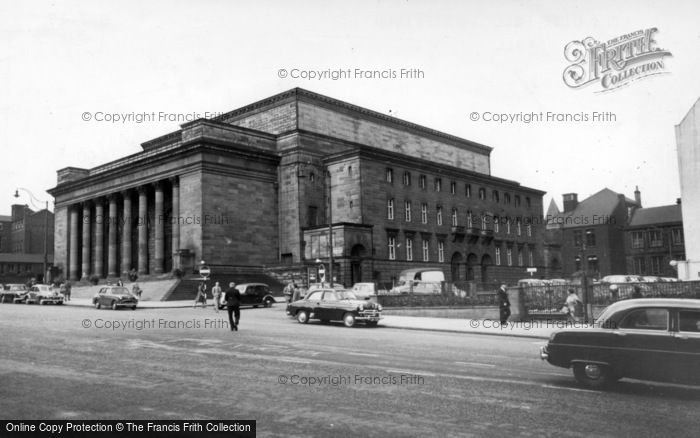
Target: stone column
176, 221
126, 232
73, 273
142, 226
99, 237
112, 249
86, 240
159, 229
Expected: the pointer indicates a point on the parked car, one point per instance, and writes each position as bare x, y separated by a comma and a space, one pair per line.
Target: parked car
425, 281
252, 294
365, 291
13, 293
649, 339
42, 294
335, 305
115, 297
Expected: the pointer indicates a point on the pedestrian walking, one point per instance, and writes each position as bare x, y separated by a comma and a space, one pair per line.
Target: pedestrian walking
574, 306
216, 292
66, 290
503, 304
136, 290
233, 305
201, 295
289, 291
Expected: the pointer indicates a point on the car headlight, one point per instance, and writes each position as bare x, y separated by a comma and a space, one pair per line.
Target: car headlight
361, 307
379, 307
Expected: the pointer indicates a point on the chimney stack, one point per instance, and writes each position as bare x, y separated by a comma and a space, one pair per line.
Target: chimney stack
638, 196
570, 201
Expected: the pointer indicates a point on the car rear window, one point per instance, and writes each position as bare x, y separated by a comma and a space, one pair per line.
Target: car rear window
646, 319
689, 321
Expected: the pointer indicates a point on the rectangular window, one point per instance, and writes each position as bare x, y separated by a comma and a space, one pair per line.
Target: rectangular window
677, 235
637, 239
441, 251
454, 217
470, 220
407, 210
640, 266
421, 182
392, 247
426, 250
590, 238
496, 226
438, 185
498, 256
389, 175
439, 215
453, 187
407, 178
509, 256
656, 239
409, 250
530, 256
518, 227
424, 213
484, 222
578, 238
312, 216
529, 230
592, 263
468, 190
520, 257
656, 263
390, 209
508, 226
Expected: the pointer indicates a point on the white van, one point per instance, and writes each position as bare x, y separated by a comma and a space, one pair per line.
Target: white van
424, 281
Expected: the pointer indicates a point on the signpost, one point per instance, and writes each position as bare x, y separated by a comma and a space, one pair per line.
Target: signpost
531, 271
204, 272
322, 273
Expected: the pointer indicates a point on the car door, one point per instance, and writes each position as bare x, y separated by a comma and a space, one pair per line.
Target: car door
101, 297
328, 307
686, 351
647, 343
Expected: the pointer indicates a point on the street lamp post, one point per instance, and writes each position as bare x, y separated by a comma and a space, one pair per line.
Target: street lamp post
46, 227
330, 230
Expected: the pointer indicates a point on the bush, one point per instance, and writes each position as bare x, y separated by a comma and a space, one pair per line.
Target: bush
94, 279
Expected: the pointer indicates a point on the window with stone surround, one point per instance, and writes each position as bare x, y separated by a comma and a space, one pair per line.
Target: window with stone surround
438, 184
637, 239
441, 251
468, 190
498, 256
390, 175
424, 213
390, 209
509, 256
409, 249
422, 182
407, 178
426, 250
407, 210
439, 215
454, 217
453, 187
392, 247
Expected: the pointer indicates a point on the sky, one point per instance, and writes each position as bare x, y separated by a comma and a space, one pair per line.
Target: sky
66, 67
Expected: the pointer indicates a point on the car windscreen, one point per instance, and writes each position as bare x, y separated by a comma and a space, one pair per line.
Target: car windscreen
119, 291
346, 295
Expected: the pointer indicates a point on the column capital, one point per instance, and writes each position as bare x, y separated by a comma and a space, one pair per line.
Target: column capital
85, 204
158, 185
126, 193
174, 180
142, 189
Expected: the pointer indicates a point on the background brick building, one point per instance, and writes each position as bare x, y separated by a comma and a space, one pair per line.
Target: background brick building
252, 188
22, 243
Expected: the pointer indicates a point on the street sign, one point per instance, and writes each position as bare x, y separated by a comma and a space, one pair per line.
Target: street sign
204, 271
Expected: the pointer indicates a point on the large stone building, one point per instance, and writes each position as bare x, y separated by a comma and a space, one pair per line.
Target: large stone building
688, 147
251, 189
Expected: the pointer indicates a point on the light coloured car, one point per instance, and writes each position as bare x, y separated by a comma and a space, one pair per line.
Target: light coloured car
115, 297
42, 294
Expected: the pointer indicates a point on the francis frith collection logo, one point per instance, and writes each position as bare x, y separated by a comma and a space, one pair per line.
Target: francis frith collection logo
616, 62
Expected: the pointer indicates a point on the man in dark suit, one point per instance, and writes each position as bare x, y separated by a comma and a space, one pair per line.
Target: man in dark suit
503, 304
233, 305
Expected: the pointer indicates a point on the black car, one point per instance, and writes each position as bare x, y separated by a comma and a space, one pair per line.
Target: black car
647, 339
335, 305
252, 294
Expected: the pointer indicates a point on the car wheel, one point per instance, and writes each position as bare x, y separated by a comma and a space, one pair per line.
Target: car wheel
349, 319
268, 302
114, 305
97, 305
303, 317
592, 375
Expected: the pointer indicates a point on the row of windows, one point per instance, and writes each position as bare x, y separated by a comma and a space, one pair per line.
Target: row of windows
654, 265
437, 186
655, 238
469, 222
589, 237
425, 252
591, 263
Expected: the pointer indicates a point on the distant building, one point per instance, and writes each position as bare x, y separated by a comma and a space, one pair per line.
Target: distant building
22, 243
252, 189
592, 232
553, 241
654, 237
688, 147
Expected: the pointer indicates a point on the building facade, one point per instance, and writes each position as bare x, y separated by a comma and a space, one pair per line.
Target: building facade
654, 238
258, 186
26, 239
592, 233
688, 149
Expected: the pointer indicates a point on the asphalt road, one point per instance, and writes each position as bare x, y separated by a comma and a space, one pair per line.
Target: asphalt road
309, 380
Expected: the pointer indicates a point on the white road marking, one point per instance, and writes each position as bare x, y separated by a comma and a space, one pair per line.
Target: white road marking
477, 364
294, 360
362, 354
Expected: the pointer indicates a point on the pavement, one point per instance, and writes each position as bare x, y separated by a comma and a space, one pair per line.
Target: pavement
541, 329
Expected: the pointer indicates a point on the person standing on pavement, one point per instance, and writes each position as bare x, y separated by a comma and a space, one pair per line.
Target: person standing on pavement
289, 291
574, 306
503, 304
216, 292
201, 295
67, 286
233, 305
